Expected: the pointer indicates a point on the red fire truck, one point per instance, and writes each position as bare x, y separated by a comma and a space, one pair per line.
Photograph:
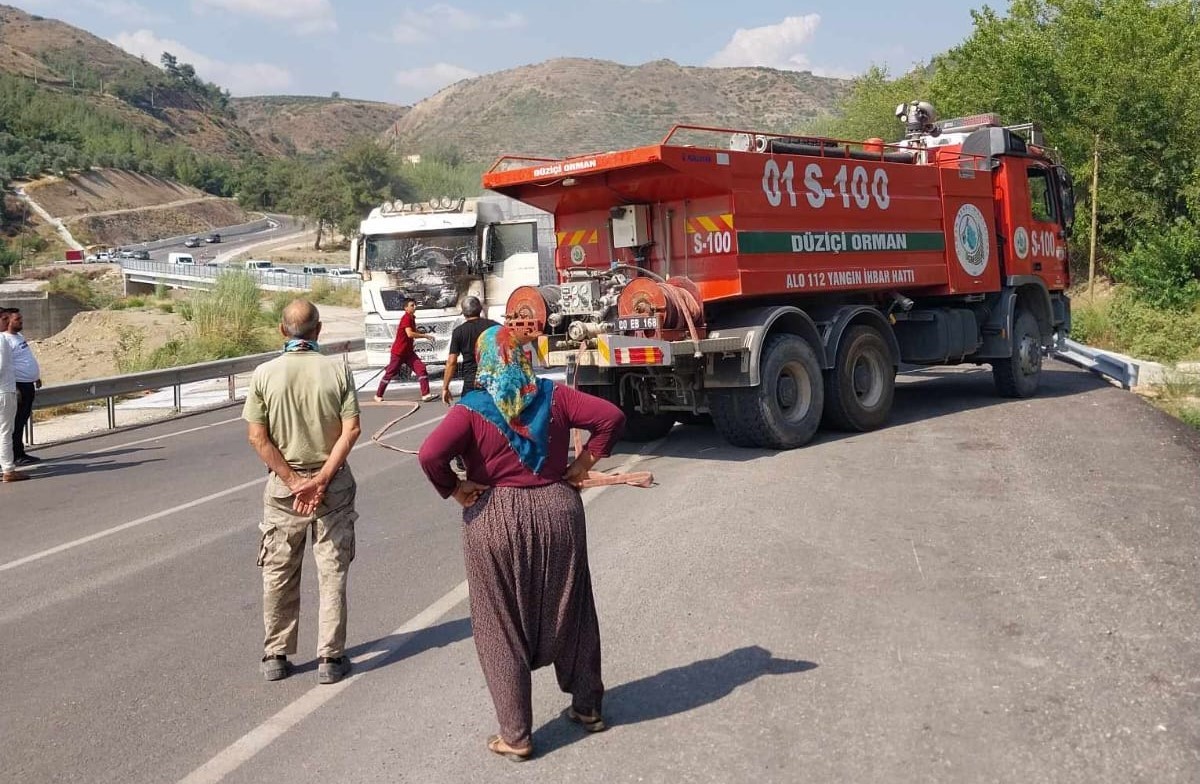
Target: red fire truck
775, 281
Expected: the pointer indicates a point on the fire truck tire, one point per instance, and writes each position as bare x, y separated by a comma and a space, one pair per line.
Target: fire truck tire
639, 428
860, 388
1019, 375
784, 410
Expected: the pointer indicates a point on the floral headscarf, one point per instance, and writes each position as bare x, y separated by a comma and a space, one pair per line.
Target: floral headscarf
512, 398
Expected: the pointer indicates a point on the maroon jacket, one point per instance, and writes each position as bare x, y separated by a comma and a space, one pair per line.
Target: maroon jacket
491, 460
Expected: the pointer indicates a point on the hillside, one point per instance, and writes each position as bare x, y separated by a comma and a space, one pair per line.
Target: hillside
66, 62
310, 124
571, 106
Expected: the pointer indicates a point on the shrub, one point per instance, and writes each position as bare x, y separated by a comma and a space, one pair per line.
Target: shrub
229, 312
75, 286
1191, 415
1130, 325
1154, 333
1162, 269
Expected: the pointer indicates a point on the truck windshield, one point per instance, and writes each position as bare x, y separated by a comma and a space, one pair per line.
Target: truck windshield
433, 268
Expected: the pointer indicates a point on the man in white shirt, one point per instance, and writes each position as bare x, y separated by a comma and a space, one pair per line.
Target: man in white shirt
29, 380
8, 406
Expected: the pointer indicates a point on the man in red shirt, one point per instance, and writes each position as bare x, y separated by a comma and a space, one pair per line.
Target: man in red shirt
403, 354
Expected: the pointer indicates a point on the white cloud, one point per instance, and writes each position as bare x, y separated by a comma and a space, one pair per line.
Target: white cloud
127, 10
238, 78
304, 16
773, 46
420, 82
424, 26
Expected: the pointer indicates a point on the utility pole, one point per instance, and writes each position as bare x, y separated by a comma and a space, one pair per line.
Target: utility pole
1095, 203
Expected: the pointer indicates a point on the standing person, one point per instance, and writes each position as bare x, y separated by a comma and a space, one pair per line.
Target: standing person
462, 341
8, 406
303, 419
29, 380
524, 533
403, 354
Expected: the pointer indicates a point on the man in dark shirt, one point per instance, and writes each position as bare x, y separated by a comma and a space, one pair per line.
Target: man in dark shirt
462, 341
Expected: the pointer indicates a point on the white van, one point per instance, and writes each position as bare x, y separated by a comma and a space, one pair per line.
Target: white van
258, 264
180, 258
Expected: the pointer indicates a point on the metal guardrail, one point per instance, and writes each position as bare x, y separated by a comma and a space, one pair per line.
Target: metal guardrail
210, 272
1106, 364
112, 387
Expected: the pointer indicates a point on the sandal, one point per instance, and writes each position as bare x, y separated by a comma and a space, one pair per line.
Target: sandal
589, 723
496, 745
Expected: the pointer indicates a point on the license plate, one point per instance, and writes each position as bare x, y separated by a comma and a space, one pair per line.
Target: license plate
637, 324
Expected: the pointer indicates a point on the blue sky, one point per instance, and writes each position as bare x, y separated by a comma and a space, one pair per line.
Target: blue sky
402, 52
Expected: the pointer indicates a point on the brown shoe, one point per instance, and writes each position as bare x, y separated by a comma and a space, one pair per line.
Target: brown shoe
15, 476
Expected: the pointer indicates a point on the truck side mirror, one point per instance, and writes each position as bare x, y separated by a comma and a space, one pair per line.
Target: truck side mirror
486, 256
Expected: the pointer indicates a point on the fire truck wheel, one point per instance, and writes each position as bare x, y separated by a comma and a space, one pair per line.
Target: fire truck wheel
1018, 376
860, 388
784, 410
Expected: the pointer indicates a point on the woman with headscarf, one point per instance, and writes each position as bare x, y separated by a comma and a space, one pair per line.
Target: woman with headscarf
524, 534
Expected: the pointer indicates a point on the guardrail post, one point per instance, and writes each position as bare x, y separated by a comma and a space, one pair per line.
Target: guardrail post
232, 388
29, 431
112, 412
177, 394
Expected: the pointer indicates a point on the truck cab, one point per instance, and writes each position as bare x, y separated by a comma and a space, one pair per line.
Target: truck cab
438, 253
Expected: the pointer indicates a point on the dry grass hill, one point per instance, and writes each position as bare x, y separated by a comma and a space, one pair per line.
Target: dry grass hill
310, 124
572, 106
70, 60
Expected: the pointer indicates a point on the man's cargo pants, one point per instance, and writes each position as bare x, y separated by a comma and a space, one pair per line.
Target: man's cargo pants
282, 554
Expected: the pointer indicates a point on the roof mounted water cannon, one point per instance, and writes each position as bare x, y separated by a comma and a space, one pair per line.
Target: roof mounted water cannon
919, 118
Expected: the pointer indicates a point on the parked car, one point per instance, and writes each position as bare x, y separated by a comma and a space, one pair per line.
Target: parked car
316, 271
342, 272
277, 271
127, 254
191, 242
213, 238
141, 255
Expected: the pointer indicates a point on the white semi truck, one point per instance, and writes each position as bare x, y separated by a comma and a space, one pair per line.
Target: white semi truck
439, 252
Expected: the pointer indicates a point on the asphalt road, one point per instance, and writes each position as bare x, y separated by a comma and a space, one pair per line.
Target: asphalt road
285, 225
984, 591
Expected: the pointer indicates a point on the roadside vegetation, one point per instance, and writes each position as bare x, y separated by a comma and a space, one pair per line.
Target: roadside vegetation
232, 320
1133, 103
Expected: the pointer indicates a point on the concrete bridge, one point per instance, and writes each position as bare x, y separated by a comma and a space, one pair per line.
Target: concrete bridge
144, 276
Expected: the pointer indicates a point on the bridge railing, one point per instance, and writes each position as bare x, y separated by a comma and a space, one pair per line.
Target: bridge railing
113, 387
283, 280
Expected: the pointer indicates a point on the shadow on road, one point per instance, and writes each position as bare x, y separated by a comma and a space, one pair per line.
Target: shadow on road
49, 469
399, 647
921, 395
674, 691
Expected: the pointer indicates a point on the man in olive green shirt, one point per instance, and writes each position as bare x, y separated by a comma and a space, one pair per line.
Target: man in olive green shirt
302, 411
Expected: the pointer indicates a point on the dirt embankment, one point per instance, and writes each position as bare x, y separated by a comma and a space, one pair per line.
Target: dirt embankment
86, 348
153, 223
104, 190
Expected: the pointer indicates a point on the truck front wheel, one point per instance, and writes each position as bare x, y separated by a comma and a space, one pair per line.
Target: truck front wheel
860, 388
1018, 376
784, 410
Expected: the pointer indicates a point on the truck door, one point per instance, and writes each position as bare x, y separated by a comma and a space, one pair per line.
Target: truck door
510, 260
1035, 239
